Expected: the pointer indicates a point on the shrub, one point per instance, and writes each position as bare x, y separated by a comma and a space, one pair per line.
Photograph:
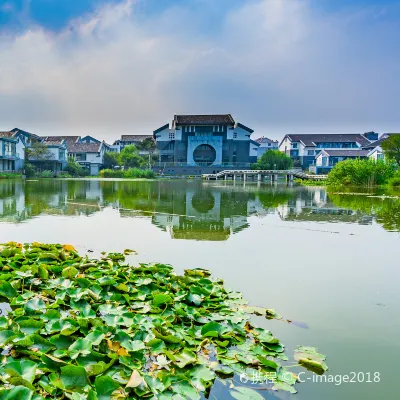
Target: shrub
46, 174
64, 175
360, 172
394, 182
30, 170
75, 169
129, 173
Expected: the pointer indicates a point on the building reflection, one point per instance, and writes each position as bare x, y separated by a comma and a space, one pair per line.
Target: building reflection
191, 210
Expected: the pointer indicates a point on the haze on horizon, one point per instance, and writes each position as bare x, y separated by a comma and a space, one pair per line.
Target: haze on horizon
124, 67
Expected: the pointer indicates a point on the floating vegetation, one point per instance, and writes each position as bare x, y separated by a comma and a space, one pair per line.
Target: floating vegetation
81, 328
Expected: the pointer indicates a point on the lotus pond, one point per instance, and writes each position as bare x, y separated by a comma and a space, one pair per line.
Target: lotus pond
327, 262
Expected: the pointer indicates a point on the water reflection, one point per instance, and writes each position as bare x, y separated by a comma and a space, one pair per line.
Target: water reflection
193, 209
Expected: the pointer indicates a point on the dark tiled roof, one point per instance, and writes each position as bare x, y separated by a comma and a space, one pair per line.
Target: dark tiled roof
17, 130
8, 135
85, 148
347, 153
53, 142
265, 140
222, 119
69, 140
311, 139
135, 138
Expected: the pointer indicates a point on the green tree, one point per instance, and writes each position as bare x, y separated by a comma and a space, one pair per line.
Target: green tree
147, 144
38, 152
130, 158
111, 159
75, 169
360, 172
273, 159
391, 147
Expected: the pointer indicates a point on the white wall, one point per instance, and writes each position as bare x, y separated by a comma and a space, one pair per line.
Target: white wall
237, 133
285, 145
253, 150
163, 136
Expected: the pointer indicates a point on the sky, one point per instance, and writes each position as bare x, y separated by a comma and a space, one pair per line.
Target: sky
111, 67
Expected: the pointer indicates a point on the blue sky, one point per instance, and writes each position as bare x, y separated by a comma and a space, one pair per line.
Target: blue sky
106, 67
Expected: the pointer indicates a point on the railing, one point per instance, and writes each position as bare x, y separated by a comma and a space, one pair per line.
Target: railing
293, 172
185, 164
10, 154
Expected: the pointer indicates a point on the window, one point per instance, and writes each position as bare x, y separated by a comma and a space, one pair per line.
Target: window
310, 152
380, 156
234, 135
171, 136
61, 154
294, 145
192, 129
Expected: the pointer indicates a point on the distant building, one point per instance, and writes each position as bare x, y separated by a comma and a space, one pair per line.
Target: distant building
266, 144
327, 159
88, 155
127, 140
304, 148
12, 149
196, 144
59, 155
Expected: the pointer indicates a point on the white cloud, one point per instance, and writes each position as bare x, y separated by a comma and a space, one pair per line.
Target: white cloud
278, 65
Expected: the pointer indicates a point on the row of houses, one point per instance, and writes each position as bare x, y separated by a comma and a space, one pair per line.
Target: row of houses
319, 153
211, 143
196, 144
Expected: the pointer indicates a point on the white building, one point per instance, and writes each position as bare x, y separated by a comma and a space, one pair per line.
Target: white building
88, 155
266, 144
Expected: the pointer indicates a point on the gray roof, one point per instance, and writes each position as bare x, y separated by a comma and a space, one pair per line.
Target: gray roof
85, 148
311, 139
135, 138
214, 119
346, 153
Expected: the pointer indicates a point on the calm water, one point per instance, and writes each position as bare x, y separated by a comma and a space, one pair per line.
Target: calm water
329, 261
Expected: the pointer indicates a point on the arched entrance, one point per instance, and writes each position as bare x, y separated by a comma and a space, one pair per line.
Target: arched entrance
204, 154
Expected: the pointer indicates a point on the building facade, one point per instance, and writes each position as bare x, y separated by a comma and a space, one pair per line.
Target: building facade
266, 144
88, 155
202, 143
12, 148
127, 140
305, 148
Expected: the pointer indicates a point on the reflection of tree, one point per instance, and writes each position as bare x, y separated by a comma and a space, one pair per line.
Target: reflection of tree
385, 210
274, 198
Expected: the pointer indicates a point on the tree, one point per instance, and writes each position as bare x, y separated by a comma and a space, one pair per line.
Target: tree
273, 159
111, 159
75, 169
147, 144
130, 157
38, 152
391, 147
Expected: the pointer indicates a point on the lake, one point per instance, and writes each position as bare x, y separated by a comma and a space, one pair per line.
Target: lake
328, 261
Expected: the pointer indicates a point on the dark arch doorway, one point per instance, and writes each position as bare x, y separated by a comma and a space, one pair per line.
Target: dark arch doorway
204, 154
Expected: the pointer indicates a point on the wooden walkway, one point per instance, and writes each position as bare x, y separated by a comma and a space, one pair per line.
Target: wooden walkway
261, 175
